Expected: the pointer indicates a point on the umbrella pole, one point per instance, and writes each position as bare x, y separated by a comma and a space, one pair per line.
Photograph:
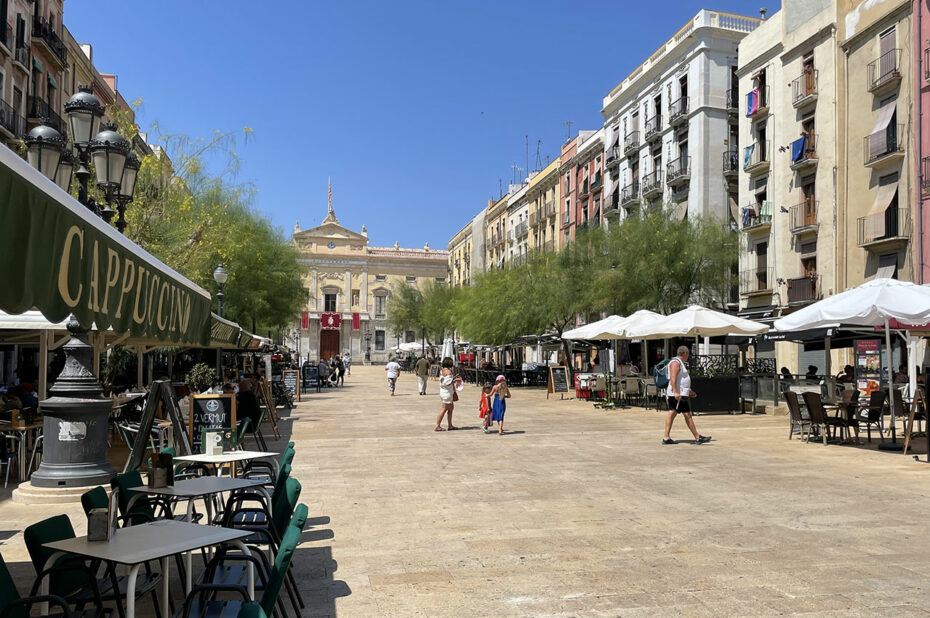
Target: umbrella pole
893, 445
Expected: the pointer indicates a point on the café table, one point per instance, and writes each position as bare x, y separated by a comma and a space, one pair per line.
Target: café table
22, 447
158, 540
203, 487
229, 457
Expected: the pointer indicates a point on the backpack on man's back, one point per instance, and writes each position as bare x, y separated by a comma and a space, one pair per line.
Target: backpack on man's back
660, 373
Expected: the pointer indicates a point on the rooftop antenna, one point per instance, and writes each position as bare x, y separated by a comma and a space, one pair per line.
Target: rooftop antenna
526, 143
762, 12
569, 123
500, 188
514, 168
538, 158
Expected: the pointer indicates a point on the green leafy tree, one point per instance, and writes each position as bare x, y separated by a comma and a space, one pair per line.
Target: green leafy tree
427, 312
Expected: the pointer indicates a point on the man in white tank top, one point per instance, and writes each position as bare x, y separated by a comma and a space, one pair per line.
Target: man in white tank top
679, 396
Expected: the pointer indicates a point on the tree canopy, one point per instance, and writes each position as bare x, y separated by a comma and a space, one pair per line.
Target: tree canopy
427, 312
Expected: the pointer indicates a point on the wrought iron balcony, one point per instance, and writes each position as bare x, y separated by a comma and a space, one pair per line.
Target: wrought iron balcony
884, 73
804, 89
731, 164
631, 143
885, 147
756, 157
612, 202
754, 219
807, 157
678, 111
629, 195
885, 230
43, 31
584, 190
678, 172
653, 129
652, 184
11, 121
22, 58
41, 112
803, 217
534, 219
803, 289
732, 101
612, 158
757, 109
598, 183
521, 230
756, 281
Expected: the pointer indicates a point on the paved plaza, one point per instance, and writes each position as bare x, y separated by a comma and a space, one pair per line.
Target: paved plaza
581, 512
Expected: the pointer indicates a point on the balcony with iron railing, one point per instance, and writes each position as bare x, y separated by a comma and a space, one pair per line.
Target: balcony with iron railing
754, 219
653, 128
598, 183
629, 195
803, 289
534, 218
521, 229
925, 174
756, 281
804, 89
885, 147
757, 102
652, 184
612, 202
630, 143
584, 190
803, 217
612, 157
678, 111
43, 32
804, 155
756, 157
566, 220
22, 58
885, 230
884, 73
732, 101
678, 172
731, 166
11, 121
41, 112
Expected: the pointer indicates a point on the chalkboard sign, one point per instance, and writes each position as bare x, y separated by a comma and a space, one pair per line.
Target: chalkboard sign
311, 377
434, 371
207, 412
558, 380
291, 378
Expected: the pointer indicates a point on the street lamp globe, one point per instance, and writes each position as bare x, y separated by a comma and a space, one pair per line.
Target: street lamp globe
65, 170
84, 112
220, 275
127, 185
43, 149
109, 150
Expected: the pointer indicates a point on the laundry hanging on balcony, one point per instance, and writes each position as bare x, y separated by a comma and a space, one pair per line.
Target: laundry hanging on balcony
798, 147
747, 216
747, 155
752, 102
765, 211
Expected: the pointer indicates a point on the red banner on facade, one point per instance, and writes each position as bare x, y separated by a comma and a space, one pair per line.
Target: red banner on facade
330, 321
356, 321
305, 320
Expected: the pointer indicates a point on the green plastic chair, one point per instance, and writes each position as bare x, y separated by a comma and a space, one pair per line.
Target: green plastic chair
14, 606
95, 498
251, 610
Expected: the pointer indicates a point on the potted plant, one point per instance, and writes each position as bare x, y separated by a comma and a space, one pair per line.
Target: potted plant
200, 377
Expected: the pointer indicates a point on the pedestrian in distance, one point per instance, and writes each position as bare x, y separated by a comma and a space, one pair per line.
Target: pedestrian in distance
679, 395
484, 408
340, 371
448, 383
421, 369
393, 370
347, 361
499, 394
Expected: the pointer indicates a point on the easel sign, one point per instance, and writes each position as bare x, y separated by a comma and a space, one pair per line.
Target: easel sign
291, 381
434, 372
263, 392
919, 400
210, 411
558, 381
160, 403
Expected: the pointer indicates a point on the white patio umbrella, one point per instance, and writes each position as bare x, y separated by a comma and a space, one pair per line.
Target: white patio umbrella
602, 329
694, 321
448, 349
874, 303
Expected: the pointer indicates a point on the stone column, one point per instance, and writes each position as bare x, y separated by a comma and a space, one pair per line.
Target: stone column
364, 291
348, 291
315, 301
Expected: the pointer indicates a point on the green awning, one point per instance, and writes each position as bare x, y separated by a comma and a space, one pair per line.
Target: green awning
37, 65
223, 333
52, 82
61, 259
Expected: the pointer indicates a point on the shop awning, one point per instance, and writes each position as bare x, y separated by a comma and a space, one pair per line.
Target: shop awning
223, 333
37, 65
60, 259
52, 82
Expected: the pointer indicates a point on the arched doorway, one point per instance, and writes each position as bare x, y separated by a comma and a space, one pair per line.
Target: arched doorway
329, 343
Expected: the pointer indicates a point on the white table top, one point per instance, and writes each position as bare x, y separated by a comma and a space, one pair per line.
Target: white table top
226, 457
149, 541
200, 486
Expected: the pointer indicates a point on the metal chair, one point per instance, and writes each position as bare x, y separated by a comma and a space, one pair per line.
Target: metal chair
820, 419
9, 453
631, 389
872, 414
796, 419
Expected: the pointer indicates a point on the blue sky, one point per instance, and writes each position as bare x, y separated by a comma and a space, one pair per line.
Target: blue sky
415, 108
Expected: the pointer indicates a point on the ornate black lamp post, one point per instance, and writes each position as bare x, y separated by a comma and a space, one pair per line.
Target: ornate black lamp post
367, 344
220, 275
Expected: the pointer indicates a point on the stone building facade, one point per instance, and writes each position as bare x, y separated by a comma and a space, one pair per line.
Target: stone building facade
349, 284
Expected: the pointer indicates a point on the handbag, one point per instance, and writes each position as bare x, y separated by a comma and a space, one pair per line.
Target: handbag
455, 396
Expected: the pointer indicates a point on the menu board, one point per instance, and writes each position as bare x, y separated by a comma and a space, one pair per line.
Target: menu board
558, 380
311, 377
211, 411
434, 371
291, 378
868, 366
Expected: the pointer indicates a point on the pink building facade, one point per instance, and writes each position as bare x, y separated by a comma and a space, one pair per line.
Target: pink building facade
921, 19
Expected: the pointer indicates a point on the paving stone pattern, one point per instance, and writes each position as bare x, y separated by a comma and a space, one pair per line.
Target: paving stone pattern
581, 512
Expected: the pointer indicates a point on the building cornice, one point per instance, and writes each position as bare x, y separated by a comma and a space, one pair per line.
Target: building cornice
883, 22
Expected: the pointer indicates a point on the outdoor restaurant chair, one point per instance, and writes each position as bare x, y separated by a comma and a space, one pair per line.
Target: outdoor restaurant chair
872, 414
631, 389
202, 599
796, 418
74, 578
9, 447
901, 409
820, 419
137, 507
849, 406
12, 605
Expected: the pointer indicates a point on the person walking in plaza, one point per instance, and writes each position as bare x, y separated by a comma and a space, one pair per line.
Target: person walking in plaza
447, 394
422, 371
484, 408
340, 371
347, 361
393, 370
499, 393
679, 396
